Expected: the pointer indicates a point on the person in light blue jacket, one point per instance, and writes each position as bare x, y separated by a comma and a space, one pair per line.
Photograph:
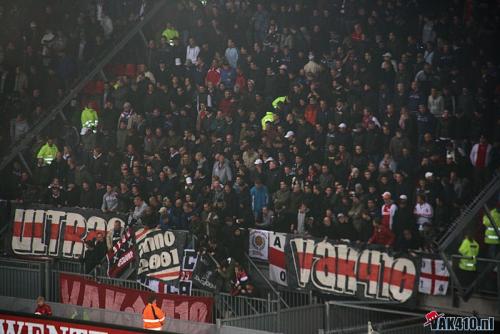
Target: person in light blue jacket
260, 197
231, 54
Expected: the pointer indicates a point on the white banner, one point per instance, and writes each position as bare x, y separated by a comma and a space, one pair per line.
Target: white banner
434, 277
259, 244
277, 258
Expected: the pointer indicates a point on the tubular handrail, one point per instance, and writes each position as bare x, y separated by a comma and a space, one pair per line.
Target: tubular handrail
482, 259
269, 284
476, 204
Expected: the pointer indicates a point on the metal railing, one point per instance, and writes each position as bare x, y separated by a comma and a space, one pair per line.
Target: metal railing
351, 317
406, 326
269, 285
104, 316
228, 306
30, 281
469, 213
485, 266
295, 320
34, 279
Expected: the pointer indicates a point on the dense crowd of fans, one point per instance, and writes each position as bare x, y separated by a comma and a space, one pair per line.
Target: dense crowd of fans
372, 121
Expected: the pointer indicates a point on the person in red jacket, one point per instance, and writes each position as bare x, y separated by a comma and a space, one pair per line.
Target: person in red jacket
241, 282
382, 235
42, 308
311, 111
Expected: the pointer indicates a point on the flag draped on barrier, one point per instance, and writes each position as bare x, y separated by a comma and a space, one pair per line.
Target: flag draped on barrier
122, 254
205, 273
345, 269
434, 277
42, 230
259, 244
159, 253
277, 258
87, 293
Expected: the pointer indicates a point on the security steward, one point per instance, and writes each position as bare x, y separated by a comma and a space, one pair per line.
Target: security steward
491, 238
469, 249
152, 316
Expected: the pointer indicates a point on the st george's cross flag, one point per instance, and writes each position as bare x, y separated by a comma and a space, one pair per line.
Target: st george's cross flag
277, 258
434, 277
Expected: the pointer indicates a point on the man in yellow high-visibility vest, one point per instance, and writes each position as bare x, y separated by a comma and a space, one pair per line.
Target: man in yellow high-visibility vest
491, 237
48, 152
469, 249
89, 119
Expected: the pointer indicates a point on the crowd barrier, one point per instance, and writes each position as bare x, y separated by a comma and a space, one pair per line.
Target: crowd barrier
25, 279
132, 320
353, 317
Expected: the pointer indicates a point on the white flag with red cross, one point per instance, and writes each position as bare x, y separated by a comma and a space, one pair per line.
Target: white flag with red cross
434, 277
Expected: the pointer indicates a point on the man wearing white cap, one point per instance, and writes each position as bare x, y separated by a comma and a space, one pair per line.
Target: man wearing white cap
388, 210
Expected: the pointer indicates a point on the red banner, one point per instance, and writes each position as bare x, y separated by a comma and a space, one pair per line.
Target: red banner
28, 325
80, 291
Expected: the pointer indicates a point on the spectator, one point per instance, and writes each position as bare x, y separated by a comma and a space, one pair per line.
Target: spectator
42, 308
388, 210
95, 251
222, 169
139, 209
242, 283
407, 241
382, 235
344, 230
480, 157
423, 212
114, 235
19, 127
260, 197
110, 199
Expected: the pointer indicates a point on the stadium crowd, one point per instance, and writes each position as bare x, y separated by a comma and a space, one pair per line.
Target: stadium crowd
372, 121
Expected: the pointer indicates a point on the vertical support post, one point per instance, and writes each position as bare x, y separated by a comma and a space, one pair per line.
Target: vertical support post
278, 314
103, 75
498, 285
47, 281
25, 164
59, 111
143, 37
327, 317
269, 302
310, 293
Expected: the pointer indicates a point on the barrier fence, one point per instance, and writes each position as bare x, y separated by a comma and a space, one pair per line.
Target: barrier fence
128, 319
294, 320
25, 279
353, 317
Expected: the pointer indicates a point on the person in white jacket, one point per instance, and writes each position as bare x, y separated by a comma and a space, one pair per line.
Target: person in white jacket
423, 212
435, 103
192, 51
